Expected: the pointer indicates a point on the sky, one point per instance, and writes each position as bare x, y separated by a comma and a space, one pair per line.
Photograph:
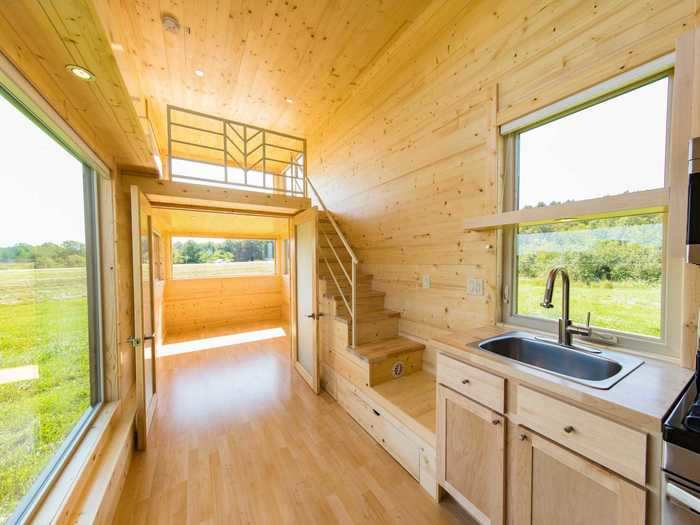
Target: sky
41, 185
608, 149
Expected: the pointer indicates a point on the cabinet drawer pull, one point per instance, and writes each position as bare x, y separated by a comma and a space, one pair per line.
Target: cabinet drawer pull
569, 429
376, 413
465, 381
523, 437
496, 421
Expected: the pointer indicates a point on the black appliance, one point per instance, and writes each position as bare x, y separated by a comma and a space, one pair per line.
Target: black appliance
693, 229
681, 461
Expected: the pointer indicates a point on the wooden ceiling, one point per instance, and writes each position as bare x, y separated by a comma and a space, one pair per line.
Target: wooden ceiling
212, 224
254, 54
41, 37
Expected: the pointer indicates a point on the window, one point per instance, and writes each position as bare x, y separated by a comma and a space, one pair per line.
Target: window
157, 257
50, 382
196, 258
612, 146
285, 260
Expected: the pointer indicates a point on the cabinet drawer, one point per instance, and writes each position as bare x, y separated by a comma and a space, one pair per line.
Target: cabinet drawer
396, 443
394, 440
479, 385
610, 444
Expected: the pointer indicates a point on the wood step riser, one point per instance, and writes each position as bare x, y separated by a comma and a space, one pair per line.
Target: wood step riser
370, 304
383, 371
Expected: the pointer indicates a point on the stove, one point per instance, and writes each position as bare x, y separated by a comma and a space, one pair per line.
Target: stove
681, 461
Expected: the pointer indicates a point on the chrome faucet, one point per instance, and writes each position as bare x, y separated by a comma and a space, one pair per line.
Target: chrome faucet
566, 328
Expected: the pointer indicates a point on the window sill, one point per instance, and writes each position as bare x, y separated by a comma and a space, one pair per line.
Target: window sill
78, 493
205, 278
649, 201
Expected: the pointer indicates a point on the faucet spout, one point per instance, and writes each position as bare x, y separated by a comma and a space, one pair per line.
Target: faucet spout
566, 328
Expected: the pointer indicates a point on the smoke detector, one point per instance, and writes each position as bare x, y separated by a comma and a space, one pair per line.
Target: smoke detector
170, 23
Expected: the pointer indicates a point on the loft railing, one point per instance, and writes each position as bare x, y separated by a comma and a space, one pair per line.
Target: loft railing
351, 276
210, 150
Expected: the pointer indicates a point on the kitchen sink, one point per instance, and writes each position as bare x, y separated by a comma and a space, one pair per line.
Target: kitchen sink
590, 367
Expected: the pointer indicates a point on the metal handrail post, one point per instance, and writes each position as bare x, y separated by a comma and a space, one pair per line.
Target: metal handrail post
354, 304
225, 152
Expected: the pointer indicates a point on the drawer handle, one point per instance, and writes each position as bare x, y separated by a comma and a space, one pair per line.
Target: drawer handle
496, 421
523, 437
376, 413
569, 429
465, 381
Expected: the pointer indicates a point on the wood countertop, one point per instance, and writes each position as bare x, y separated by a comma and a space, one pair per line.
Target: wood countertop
640, 399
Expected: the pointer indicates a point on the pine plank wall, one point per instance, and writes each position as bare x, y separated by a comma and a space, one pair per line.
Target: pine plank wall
412, 152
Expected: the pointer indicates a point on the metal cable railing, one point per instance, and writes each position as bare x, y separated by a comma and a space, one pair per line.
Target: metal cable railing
350, 302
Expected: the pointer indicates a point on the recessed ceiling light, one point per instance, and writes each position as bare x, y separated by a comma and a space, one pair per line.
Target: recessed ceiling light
199, 73
117, 46
80, 72
289, 100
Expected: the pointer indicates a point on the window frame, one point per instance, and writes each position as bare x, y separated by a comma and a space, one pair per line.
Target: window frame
273, 240
35, 496
623, 340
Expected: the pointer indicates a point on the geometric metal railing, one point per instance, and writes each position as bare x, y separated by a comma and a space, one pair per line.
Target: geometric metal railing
211, 150
351, 276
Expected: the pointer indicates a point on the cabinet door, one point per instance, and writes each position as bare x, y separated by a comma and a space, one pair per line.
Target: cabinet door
553, 485
471, 454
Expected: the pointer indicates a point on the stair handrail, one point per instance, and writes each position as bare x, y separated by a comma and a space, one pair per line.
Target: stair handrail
335, 225
355, 260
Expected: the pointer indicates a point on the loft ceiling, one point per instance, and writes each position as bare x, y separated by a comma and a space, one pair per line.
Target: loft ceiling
210, 224
255, 56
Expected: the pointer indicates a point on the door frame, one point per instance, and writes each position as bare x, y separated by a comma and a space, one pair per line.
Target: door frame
314, 381
144, 414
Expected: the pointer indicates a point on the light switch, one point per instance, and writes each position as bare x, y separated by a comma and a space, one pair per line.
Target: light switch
475, 286
426, 280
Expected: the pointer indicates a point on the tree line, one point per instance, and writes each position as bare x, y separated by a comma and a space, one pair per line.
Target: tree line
68, 254
610, 249
230, 250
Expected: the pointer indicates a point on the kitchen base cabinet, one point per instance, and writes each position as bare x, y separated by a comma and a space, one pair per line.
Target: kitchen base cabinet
553, 486
471, 455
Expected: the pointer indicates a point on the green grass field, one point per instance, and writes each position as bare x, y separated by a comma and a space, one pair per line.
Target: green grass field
43, 322
627, 307
227, 269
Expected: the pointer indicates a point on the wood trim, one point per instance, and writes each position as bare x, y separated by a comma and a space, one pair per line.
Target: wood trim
648, 201
179, 193
607, 87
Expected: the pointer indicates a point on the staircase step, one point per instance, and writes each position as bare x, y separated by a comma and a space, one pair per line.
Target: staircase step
369, 317
363, 292
379, 351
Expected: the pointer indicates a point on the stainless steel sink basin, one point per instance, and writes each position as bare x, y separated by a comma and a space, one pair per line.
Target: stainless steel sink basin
586, 366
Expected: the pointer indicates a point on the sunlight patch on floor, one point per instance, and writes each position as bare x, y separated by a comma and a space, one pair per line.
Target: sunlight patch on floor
220, 341
19, 373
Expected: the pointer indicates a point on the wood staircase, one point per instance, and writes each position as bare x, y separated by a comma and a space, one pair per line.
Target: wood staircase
381, 352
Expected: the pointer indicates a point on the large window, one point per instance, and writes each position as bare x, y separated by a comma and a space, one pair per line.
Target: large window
197, 258
608, 149
49, 308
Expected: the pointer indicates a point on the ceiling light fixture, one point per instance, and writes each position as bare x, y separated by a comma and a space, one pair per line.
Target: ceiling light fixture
170, 23
80, 72
289, 100
199, 73
116, 46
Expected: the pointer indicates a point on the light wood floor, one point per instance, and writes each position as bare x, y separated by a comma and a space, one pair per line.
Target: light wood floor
239, 438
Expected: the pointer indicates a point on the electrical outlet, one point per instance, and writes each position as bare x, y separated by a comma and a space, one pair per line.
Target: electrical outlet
426, 280
475, 286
